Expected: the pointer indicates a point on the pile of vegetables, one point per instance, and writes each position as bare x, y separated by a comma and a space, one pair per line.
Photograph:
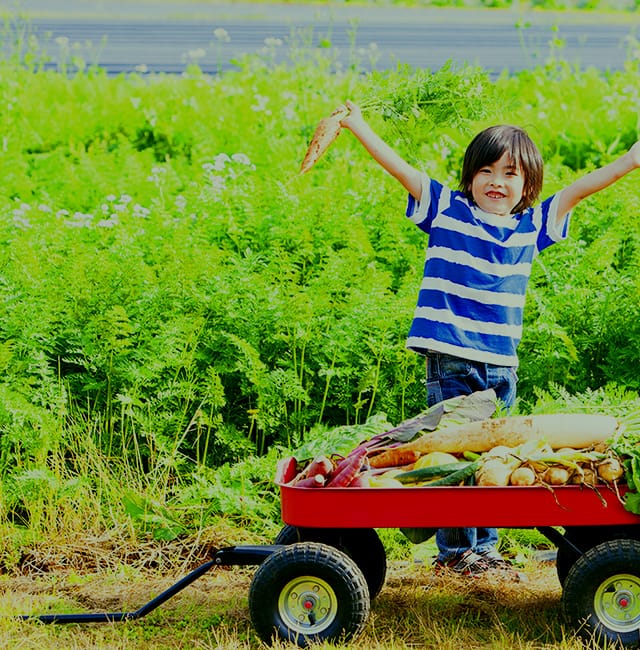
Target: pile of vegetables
459, 443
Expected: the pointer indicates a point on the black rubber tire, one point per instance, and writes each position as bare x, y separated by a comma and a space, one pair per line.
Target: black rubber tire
362, 545
586, 537
581, 537
307, 593
601, 596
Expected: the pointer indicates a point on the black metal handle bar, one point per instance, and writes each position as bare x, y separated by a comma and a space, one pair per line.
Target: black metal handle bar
229, 556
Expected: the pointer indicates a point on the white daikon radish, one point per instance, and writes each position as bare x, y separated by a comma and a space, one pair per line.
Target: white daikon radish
575, 430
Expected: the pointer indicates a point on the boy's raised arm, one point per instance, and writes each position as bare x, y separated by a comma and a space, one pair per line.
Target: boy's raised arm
598, 180
381, 152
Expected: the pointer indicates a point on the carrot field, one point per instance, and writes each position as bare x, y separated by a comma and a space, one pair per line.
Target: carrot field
180, 308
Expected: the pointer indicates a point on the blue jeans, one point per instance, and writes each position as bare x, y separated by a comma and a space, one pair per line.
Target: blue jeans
449, 377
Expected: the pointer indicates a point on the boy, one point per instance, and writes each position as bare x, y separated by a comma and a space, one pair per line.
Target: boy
483, 239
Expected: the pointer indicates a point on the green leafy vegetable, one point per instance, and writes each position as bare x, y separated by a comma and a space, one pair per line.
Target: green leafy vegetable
627, 445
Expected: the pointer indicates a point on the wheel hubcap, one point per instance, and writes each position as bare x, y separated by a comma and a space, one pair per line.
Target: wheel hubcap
617, 602
307, 605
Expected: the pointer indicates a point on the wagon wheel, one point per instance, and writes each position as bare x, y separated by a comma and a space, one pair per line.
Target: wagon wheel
362, 545
307, 593
601, 594
586, 537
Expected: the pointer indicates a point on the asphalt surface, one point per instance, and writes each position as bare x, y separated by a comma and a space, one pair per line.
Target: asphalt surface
158, 36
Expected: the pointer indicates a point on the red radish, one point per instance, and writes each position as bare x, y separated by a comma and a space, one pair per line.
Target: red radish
317, 480
348, 469
286, 470
361, 480
319, 465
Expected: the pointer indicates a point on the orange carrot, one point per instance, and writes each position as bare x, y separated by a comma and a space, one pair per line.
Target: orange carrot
326, 132
394, 457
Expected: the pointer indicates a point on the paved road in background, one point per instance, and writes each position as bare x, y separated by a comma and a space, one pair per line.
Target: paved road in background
165, 36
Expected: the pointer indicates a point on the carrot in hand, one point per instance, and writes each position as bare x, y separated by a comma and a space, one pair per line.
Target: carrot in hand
326, 132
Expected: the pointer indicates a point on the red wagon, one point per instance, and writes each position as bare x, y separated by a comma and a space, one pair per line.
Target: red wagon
319, 585
317, 580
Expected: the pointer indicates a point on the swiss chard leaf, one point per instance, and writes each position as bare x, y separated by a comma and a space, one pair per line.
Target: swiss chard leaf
632, 502
464, 408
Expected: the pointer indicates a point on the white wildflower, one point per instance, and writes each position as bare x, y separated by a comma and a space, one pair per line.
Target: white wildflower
241, 158
220, 161
218, 183
140, 212
222, 35
260, 103
196, 54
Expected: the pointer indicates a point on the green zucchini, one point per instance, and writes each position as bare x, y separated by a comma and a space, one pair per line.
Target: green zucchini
427, 473
461, 476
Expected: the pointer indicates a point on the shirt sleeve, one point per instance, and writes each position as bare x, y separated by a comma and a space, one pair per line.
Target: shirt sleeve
552, 230
417, 210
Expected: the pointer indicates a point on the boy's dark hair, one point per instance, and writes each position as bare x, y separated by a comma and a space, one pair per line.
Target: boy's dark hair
490, 145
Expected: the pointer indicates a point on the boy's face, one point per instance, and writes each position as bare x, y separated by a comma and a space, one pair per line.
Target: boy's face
497, 188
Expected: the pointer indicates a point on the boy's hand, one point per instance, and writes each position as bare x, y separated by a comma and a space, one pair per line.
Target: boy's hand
634, 152
354, 116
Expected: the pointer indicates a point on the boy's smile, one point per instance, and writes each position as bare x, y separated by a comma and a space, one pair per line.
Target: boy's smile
497, 188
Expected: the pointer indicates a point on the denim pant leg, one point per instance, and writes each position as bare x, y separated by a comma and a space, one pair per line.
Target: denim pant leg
449, 377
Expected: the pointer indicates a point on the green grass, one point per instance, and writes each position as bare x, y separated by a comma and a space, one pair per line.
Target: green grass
577, 10
179, 308
176, 298
414, 609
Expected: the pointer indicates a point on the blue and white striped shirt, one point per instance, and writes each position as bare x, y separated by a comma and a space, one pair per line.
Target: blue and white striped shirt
478, 264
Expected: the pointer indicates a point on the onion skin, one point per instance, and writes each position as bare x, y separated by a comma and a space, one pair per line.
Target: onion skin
610, 470
556, 476
494, 472
522, 476
585, 476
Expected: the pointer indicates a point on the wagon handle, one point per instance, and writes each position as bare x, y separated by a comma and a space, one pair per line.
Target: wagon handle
232, 555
